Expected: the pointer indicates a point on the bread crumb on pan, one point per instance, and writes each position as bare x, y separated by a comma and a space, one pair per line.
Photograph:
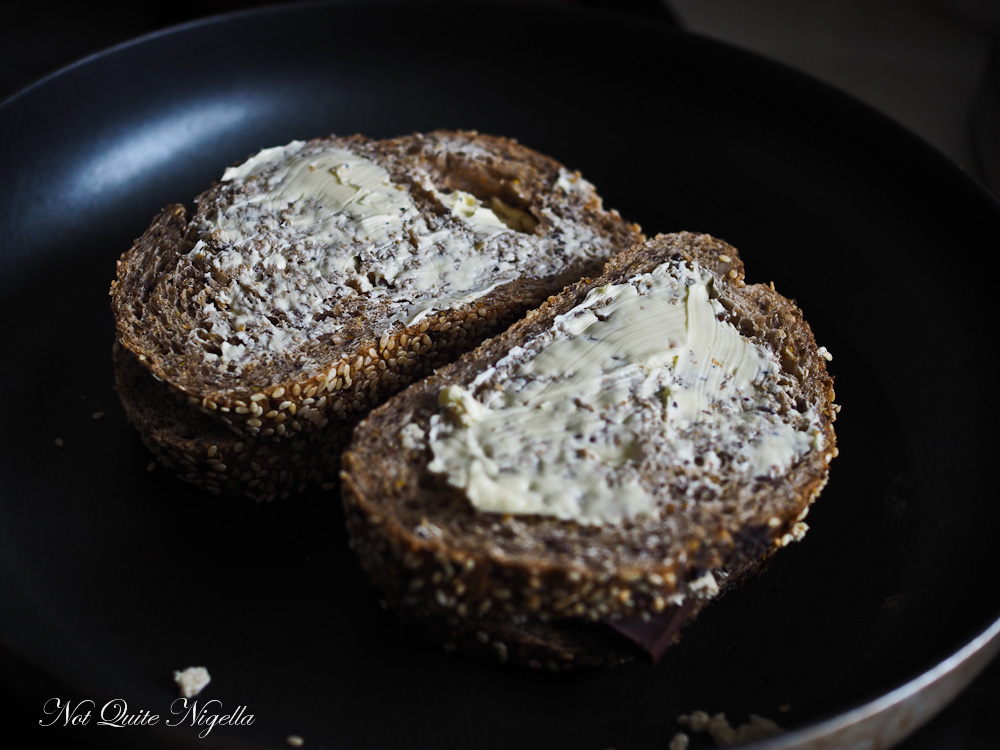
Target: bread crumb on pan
726, 735
192, 681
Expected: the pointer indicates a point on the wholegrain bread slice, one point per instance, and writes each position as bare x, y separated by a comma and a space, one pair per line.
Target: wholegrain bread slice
317, 278
445, 487
206, 453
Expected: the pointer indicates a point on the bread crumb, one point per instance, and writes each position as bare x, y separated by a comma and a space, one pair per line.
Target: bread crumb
723, 733
97, 415
679, 741
697, 721
59, 442
192, 681
151, 465
293, 740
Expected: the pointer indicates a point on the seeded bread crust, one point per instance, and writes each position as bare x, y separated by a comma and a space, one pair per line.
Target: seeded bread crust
435, 557
541, 642
212, 423
207, 454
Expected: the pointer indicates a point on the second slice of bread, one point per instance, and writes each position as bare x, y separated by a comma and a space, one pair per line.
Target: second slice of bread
486, 516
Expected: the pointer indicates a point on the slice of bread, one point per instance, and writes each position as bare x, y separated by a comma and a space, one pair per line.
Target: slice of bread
620, 456
317, 278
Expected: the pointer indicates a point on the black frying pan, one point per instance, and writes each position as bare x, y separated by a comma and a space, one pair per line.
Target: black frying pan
112, 576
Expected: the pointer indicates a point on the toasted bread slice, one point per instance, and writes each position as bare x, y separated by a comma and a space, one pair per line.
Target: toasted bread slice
620, 455
317, 278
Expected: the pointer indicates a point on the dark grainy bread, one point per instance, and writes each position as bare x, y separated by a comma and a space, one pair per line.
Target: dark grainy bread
514, 582
259, 320
203, 452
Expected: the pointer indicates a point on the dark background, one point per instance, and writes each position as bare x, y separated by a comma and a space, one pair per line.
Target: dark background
932, 65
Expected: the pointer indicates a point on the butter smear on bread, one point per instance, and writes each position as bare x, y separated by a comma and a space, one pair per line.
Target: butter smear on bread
306, 227
639, 375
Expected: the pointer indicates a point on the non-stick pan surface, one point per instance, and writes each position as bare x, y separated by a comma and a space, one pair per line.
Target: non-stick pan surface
113, 576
